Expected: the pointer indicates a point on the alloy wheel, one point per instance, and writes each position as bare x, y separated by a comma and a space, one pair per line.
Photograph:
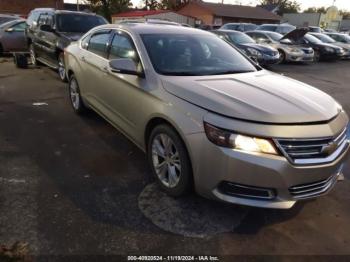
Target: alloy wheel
32, 55
166, 160
74, 94
61, 68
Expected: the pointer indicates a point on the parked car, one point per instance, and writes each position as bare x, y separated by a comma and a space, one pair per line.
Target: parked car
150, 21
49, 31
242, 27
278, 28
342, 38
209, 118
289, 52
7, 18
315, 29
12, 37
261, 53
323, 51
328, 40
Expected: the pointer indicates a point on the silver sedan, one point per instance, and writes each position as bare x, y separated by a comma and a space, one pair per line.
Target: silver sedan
207, 118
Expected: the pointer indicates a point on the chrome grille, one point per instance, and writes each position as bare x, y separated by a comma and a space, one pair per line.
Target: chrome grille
313, 151
313, 189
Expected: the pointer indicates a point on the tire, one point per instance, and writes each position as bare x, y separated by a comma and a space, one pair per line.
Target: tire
282, 57
61, 68
33, 57
20, 60
317, 56
1, 50
75, 96
170, 164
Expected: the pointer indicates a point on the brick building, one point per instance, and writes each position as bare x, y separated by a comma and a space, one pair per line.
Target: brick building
219, 14
23, 7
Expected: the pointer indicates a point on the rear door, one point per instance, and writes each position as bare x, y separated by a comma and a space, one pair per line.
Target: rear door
38, 36
94, 66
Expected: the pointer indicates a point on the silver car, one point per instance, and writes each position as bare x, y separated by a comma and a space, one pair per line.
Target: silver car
288, 52
208, 118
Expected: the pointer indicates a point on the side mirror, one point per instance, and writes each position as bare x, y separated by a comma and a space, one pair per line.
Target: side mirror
46, 28
9, 30
125, 66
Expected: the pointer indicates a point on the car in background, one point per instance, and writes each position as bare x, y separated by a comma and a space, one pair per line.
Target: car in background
315, 29
278, 28
208, 118
150, 21
49, 31
339, 37
328, 40
6, 18
289, 52
12, 38
261, 53
242, 27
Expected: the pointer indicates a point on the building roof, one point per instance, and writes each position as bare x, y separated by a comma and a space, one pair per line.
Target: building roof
141, 13
240, 11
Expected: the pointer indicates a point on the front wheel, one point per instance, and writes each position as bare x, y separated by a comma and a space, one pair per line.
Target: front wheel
282, 58
317, 56
169, 161
75, 96
62, 68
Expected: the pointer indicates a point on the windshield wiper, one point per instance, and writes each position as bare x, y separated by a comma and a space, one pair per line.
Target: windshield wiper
228, 72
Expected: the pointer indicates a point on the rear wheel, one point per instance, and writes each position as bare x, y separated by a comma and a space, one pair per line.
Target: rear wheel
169, 161
33, 55
61, 68
75, 96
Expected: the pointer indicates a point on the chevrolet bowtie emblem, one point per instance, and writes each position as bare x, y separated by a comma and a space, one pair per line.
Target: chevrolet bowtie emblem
329, 148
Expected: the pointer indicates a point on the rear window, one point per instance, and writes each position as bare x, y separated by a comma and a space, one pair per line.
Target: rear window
272, 28
75, 23
6, 19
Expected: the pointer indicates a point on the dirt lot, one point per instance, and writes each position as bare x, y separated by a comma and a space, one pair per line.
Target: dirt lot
75, 186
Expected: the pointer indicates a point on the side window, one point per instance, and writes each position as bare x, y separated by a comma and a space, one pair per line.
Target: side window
42, 19
33, 18
123, 47
98, 43
20, 27
50, 20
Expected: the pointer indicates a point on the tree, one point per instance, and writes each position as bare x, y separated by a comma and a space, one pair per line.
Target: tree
315, 10
285, 6
152, 4
345, 14
109, 7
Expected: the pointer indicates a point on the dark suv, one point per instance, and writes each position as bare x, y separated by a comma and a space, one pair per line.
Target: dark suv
49, 31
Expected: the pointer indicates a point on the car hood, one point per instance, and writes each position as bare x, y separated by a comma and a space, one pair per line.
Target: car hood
342, 45
260, 96
296, 34
72, 36
262, 48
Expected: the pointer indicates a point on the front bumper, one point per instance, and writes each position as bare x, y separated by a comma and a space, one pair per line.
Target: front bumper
268, 59
215, 165
299, 57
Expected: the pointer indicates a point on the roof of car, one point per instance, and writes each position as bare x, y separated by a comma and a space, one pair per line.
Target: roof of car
145, 28
61, 11
228, 31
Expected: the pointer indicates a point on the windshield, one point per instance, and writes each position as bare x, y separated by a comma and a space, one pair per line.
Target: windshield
190, 55
312, 39
275, 36
324, 38
239, 38
75, 23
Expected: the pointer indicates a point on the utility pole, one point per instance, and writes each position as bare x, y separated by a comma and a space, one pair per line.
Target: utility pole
78, 8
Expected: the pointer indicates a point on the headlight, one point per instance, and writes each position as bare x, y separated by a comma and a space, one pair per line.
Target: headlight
232, 140
253, 52
329, 49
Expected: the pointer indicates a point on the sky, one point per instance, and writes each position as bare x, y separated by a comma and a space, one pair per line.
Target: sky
341, 4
